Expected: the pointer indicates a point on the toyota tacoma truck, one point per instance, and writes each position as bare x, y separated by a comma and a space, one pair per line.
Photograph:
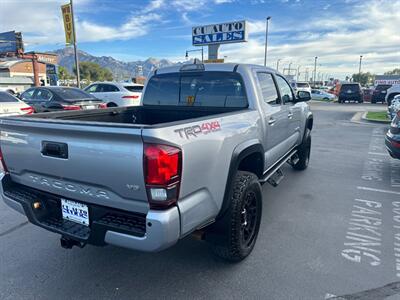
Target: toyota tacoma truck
190, 160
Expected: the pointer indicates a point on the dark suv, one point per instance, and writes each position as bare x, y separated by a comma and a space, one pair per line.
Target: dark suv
379, 93
350, 92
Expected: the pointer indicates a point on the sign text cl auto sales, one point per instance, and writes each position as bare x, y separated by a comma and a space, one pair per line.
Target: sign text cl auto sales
230, 32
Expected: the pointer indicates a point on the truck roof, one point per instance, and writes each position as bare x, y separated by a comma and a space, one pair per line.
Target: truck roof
225, 67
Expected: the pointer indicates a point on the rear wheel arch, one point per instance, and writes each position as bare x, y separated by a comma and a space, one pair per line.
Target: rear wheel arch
248, 156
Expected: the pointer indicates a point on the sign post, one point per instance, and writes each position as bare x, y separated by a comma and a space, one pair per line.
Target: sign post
70, 34
216, 34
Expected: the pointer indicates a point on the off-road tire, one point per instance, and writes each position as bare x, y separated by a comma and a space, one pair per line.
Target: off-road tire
303, 152
245, 190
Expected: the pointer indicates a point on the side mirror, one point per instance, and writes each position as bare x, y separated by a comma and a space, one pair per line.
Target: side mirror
303, 96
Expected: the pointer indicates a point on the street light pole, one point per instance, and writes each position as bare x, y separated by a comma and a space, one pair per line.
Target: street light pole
266, 41
78, 76
289, 68
315, 68
359, 68
277, 64
298, 72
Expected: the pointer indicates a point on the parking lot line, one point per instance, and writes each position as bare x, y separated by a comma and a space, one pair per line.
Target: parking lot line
377, 153
377, 190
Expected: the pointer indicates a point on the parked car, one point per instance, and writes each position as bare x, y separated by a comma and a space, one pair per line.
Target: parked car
321, 95
191, 158
394, 107
10, 105
52, 98
116, 93
391, 93
367, 94
303, 86
350, 92
392, 139
379, 93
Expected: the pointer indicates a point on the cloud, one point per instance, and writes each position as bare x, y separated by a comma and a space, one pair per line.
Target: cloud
370, 30
45, 25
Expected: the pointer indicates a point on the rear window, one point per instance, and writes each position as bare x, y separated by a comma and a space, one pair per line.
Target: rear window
382, 87
134, 88
207, 89
73, 94
6, 97
351, 87
303, 84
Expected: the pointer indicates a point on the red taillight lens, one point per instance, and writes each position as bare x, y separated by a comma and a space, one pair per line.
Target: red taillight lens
28, 110
3, 167
71, 107
163, 167
102, 105
130, 97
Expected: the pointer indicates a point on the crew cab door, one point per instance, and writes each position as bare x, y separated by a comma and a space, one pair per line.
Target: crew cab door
275, 119
291, 111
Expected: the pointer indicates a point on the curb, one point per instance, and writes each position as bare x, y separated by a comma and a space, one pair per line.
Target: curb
364, 118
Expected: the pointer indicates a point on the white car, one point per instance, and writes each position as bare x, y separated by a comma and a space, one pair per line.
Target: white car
303, 86
12, 106
116, 93
394, 107
321, 95
392, 92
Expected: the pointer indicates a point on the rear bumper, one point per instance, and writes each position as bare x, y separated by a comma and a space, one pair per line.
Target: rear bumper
351, 97
152, 232
393, 151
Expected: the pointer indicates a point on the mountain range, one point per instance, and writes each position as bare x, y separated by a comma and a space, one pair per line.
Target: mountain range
120, 69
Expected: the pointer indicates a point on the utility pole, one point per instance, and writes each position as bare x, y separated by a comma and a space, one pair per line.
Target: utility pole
277, 64
315, 68
78, 77
298, 72
359, 69
266, 41
289, 68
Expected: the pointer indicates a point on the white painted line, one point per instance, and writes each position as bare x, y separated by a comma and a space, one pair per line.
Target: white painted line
377, 190
377, 153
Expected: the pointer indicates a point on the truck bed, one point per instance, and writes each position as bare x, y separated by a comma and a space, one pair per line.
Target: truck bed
137, 115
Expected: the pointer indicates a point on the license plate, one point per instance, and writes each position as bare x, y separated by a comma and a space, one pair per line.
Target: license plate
90, 107
75, 211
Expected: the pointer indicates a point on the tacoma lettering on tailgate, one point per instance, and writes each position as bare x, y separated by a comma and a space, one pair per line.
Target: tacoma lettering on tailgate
195, 130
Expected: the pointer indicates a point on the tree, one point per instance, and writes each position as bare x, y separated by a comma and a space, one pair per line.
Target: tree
63, 73
93, 72
364, 78
393, 72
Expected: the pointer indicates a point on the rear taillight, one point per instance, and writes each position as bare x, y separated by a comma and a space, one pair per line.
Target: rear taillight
130, 97
395, 144
3, 167
102, 105
71, 107
28, 110
163, 169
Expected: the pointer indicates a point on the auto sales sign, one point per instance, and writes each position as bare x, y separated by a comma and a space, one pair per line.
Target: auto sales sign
223, 33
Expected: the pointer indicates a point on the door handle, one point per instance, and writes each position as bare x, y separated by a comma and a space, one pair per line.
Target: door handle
271, 121
290, 115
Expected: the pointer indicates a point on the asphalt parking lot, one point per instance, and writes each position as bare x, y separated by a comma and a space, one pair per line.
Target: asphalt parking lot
332, 230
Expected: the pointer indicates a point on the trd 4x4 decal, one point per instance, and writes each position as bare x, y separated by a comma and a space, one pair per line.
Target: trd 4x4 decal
195, 130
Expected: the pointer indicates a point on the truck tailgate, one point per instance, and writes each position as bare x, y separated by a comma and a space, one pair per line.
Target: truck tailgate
88, 163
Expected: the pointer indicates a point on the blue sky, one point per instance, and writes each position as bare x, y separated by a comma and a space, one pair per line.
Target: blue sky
338, 32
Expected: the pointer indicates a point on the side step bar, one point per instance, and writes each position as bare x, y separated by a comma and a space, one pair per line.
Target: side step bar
276, 168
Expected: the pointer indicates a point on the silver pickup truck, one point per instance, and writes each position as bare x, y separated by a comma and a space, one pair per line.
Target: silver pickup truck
190, 159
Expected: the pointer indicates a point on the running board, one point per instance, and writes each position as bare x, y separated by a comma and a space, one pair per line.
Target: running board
267, 175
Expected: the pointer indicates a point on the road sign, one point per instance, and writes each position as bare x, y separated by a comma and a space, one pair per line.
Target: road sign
218, 60
223, 33
11, 42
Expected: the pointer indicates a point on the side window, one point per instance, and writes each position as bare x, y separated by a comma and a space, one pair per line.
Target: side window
28, 94
268, 88
109, 88
286, 91
43, 95
92, 88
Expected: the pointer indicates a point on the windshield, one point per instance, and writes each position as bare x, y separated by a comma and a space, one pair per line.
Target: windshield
71, 94
208, 89
303, 84
134, 88
6, 97
382, 87
350, 87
